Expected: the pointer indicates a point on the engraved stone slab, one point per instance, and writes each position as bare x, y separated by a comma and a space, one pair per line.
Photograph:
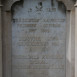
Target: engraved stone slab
38, 39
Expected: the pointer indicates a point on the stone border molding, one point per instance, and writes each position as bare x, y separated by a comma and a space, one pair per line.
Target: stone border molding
68, 3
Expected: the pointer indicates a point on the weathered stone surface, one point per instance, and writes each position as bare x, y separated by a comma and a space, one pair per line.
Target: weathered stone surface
38, 39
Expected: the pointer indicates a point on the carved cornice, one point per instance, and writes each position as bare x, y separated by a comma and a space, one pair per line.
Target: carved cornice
75, 4
68, 3
8, 4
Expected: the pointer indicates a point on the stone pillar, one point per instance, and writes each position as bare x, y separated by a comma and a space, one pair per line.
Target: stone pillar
76, 39
68, 44
0, 42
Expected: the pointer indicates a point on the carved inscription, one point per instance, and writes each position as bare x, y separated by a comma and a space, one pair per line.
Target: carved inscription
38, 40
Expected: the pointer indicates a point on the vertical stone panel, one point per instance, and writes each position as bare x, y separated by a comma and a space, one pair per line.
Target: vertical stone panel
39, 39
0, 41
76, 39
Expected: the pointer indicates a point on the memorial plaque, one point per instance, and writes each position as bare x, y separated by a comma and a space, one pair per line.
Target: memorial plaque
38, 39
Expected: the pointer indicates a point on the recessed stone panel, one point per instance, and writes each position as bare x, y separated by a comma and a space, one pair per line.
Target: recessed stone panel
39, 39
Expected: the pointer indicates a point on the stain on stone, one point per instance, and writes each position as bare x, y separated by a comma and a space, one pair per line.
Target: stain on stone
39, 7
16, 5
40, 3
52, 2
61, 7
30, 10
13, 20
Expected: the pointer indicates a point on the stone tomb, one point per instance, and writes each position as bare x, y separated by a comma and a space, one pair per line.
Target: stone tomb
39, 39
